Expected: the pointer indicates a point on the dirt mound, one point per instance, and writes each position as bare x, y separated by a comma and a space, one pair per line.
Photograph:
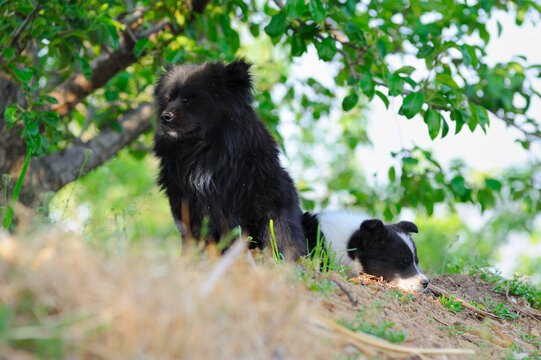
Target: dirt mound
511, 328
61, 299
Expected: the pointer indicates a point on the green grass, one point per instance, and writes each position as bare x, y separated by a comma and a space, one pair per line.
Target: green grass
403, 298
315, 281
493, 307
276, 255
516, 286
456, 329
321, 258
451, 304
382, 330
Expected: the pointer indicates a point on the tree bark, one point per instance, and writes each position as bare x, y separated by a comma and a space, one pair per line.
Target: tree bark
53, 171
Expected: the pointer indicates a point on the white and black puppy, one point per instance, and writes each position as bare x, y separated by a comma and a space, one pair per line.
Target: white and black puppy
369, 246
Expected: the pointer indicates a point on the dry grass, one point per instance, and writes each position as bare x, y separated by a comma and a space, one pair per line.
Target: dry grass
62, 299
149, 305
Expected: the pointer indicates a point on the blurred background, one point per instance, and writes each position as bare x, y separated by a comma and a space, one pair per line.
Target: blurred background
422, 111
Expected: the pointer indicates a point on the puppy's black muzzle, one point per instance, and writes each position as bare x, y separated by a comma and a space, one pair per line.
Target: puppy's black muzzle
166, 116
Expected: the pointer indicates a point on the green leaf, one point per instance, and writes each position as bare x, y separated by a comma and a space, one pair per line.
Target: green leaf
277, 26
493, 184
483, 117
298, 46
24, 75
51, 118
468, 54
140, 46
392, 174
317, 10
381, 44
425, 51
350, 101
460, 117
113, 35
367, 85
32, 127
86, 69
50, 99
458, 186
9, 115
396, 85
326, 48
474, 119
406, 70
433, 120
9, 53
294, 8
445, 128
383, 98
412, 104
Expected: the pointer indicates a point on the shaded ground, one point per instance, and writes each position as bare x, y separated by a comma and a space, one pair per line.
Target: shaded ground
61, 299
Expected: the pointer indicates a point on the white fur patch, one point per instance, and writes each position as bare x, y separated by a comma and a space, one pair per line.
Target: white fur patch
172, 133
413, 283
338, 226
407, 239
201, 180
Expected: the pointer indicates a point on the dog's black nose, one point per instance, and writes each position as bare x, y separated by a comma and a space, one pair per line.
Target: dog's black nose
166, 116
425, 282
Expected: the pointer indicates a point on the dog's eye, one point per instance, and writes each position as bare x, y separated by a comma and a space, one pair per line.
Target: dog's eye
405, 261
185, 100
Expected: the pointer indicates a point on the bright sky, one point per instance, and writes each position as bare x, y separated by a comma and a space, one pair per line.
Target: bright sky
391, 132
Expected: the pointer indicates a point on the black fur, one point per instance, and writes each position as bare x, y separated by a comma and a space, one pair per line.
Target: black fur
381, 251
217, 155
379, 248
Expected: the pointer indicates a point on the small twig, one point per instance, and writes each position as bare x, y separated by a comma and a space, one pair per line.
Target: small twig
15, 35
362, 340
439, 291
146, 33
534, 316
129, 18
221, 267
352, 300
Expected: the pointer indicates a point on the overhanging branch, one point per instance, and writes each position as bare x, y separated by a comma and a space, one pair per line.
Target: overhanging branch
53, 171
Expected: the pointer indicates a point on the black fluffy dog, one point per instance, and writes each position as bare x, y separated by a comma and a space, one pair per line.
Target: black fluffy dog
217, 156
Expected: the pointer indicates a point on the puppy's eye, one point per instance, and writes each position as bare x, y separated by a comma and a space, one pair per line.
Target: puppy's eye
405, 261
185, 100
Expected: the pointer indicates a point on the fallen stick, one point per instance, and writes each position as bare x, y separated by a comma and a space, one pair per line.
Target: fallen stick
363, 340
223, 265
439, 291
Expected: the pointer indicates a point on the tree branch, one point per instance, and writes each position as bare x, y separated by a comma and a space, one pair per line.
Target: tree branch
53, 171
15, 35
77, 87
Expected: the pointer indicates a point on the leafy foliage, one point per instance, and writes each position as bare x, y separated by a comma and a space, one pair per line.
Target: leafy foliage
428, 55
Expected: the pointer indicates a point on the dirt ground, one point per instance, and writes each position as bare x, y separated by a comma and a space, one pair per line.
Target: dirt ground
429, 324
60, 298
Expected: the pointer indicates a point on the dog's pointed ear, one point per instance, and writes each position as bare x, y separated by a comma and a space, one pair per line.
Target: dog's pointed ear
408, 226
372, 225
237, 74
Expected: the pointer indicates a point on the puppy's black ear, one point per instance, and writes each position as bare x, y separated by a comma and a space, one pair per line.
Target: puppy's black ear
408, 226
237, 74
372, 225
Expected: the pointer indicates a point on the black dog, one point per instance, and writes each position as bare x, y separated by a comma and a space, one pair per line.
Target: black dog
217, 157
